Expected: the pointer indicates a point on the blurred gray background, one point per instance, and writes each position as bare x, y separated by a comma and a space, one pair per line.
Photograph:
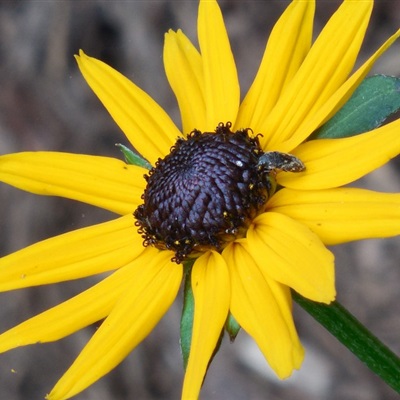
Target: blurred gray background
46, 105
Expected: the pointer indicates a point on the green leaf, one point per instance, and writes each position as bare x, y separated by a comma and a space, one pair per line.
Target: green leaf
186, 327
232, 327
374, 100
133, 158
358, 339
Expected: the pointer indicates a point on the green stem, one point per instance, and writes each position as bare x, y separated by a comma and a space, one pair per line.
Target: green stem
348, 330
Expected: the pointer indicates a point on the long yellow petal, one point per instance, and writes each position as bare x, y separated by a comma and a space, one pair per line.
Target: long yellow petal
290, 253
221, 85
341, 215
335, 162
184, 69
287, 46
153, 288
262, 307
147, 126
326, 67
73, 255
335, 102
101, 181
84, 309
211, 290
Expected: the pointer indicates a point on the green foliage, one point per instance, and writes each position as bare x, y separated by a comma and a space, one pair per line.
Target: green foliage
371, 104
232, 327
133, 158
187, 314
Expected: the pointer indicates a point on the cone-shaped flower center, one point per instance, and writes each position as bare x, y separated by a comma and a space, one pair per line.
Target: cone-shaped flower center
205, 192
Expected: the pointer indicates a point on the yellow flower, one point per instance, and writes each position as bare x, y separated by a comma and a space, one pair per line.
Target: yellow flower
298, 87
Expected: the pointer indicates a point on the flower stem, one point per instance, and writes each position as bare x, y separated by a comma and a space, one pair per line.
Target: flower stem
348, 330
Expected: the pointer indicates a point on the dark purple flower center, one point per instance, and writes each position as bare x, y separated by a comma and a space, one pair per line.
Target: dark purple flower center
204, 193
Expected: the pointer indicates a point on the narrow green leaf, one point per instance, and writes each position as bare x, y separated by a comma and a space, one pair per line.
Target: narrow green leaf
133, 158
358, 339
186, 327
187, 316
373, 101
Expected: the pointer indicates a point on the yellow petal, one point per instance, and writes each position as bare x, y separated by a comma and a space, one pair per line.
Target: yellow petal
288, 44
84, 309
73, 255
336, 101
263, 308
341, 215
221, 86
336, 162
147, 126
184, 69
211, 291
290, 253
101, 181
152, 290
326, 67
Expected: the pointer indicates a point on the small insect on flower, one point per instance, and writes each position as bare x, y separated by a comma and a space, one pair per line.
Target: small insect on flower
273, 161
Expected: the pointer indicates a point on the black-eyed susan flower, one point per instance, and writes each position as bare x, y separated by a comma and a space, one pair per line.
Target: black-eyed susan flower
239, 193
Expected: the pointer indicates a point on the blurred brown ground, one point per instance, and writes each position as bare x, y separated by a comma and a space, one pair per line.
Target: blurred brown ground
46, 105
